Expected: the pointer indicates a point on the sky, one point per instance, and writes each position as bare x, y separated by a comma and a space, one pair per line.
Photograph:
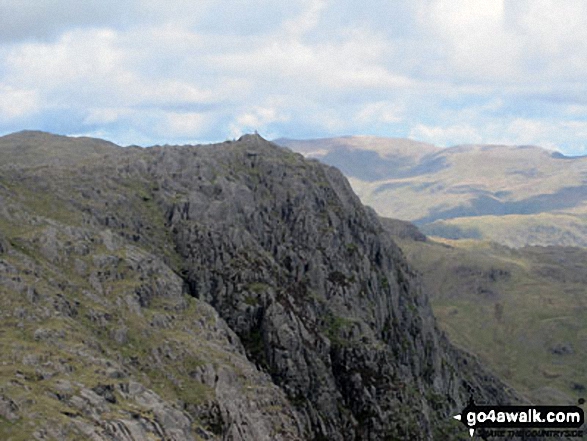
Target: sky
151, 72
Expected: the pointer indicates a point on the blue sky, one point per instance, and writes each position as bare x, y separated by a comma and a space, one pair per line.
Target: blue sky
442, 71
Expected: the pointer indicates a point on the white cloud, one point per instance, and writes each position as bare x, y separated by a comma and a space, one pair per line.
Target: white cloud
380, 112
353, 62
576, 110
527, 131
553, 26
441, 71
185, 124
259, 118
506, 41
79, 56
47, 19
17, 103
544, 132
42, 20
307, 20
446, 135
475, 44
106, 115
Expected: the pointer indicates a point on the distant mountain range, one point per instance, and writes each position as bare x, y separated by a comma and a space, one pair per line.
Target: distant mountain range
522, 195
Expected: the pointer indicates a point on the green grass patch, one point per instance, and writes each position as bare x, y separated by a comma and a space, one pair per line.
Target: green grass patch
516, 322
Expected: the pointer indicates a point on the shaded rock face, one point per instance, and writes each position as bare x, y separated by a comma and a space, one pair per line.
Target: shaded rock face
240, 272
321, 297
402, 229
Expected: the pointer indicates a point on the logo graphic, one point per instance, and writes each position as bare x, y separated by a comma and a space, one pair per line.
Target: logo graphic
520, 417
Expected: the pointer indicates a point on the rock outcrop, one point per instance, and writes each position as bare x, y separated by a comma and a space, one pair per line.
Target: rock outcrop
234, 291
402, 229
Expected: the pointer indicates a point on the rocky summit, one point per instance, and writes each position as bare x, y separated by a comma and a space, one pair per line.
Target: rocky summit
234, 291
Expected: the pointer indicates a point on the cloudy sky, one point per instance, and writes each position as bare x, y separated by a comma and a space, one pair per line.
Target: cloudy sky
442, 71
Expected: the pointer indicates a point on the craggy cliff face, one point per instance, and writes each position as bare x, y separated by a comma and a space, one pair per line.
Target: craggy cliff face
234, 291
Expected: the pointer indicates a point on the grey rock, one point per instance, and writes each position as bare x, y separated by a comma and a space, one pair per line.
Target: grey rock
402, 229
233, 292
120, 335
4, 244
8, 409
562, 349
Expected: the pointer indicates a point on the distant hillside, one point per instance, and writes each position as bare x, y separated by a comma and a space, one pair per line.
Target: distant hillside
522, 310
371, 159
562, 229
33, 148
465, 191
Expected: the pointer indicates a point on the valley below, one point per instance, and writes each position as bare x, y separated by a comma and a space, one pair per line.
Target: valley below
521, 310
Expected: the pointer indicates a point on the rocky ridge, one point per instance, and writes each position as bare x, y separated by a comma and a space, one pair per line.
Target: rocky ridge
234, 291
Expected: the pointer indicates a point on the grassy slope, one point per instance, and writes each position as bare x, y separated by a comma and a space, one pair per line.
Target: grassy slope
564, 229
523, 311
